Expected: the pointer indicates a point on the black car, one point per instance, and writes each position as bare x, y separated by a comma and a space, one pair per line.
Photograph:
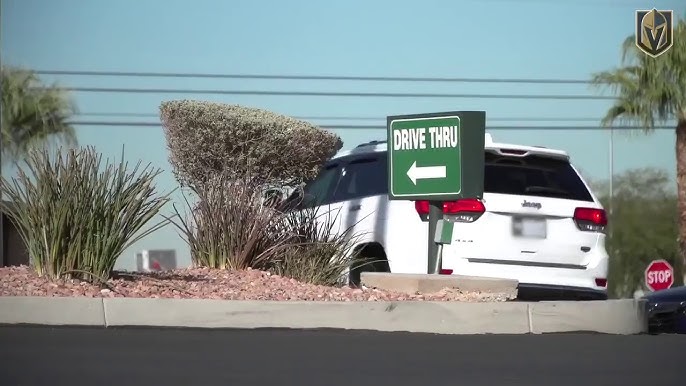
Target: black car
667, 311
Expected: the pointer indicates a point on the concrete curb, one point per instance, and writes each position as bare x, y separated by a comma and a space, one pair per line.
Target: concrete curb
611, 317
52, 311
411, 283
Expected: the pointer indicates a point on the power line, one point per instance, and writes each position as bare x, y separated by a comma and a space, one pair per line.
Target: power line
383, 127
309, 77
367, 118
593, 3
118, 115
335, 94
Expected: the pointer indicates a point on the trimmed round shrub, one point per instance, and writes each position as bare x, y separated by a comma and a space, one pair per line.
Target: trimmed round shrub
207, 138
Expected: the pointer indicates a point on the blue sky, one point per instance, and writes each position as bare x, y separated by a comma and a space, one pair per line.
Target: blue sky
432, 38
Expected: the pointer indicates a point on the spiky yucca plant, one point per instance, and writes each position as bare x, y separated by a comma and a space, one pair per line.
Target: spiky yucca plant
314, 252
229, 227
77, 216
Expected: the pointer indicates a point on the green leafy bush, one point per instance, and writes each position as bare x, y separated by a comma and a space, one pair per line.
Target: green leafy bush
643, 226
76, 216
205, 139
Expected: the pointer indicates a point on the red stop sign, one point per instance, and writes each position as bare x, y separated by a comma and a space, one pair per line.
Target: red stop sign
659, 275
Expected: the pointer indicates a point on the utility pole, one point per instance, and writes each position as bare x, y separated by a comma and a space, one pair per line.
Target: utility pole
612, 176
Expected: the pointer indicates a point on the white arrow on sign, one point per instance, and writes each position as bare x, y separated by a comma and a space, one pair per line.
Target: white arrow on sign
425, 172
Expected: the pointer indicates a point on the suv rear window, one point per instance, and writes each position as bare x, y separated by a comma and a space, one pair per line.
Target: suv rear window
533, 176
365, 175
347, 178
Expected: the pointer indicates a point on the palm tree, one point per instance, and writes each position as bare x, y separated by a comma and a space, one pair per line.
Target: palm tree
649, 91
33, 114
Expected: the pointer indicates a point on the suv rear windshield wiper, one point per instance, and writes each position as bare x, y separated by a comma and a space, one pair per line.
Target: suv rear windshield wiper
546, 190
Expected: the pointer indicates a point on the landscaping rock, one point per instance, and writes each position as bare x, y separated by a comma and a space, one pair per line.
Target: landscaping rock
200, 283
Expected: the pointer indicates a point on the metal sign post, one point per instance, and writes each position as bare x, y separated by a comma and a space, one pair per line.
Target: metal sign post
436, 157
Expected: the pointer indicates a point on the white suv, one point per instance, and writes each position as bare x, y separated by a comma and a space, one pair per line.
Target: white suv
538, 222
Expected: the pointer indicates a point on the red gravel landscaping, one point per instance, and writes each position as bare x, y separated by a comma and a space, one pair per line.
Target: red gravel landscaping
199, 283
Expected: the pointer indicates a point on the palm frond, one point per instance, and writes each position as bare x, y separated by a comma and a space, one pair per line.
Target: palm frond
33, 114
648, 90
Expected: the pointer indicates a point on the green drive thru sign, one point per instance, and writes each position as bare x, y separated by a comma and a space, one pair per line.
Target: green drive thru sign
437, 157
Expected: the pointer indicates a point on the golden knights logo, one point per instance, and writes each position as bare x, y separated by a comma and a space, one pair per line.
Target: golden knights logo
654, 33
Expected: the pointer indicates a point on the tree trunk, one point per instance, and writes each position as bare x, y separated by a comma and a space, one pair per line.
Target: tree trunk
681, 199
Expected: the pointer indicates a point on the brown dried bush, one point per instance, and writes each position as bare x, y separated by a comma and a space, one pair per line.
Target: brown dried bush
207, 138
313, 251
229, 228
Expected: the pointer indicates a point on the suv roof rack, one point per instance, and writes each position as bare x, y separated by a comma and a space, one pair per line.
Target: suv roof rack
370, 143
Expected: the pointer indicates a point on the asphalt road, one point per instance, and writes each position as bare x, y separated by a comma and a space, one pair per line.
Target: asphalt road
131, 357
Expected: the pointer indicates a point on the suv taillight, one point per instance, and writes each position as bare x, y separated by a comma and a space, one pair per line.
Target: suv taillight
590, 219
464, 210
422, 207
